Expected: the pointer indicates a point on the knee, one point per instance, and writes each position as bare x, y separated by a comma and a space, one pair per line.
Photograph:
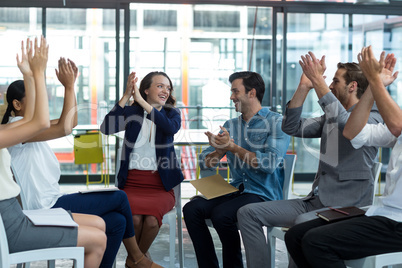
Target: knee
99, 223
222, 221
137, 220
122, 196
245, 211
101, 240
291, 237
190, 210
241, 213
93, 239
151, 222
311, 240
245, 214
115, 223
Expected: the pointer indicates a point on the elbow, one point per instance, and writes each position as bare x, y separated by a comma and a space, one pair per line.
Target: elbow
396, 130
103, 129
44, 124
68, 131
347, 134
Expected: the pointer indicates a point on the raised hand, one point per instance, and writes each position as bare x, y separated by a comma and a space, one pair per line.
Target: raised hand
75, 69
305, 82
387, 75
131, 80
136, 93
23, 65
312, 67
66, 73
38, 60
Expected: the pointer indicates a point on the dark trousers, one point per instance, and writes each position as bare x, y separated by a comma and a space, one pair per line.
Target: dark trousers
318, 243
113, 208
222, 212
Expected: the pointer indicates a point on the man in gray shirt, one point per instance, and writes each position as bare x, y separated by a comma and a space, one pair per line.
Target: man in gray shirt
344, 176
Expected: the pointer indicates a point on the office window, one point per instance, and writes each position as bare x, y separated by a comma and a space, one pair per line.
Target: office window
217, 21
66, 18
162, 20
14, 17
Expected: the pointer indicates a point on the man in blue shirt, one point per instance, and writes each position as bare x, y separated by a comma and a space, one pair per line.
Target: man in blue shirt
254, 145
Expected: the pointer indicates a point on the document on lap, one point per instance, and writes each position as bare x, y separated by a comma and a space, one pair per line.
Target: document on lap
213, 186
100, 189
50, 217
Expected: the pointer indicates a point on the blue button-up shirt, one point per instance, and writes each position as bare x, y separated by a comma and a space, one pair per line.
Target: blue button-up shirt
263, 135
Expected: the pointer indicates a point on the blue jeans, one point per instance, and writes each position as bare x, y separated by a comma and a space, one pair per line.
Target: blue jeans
113, 208
222, 212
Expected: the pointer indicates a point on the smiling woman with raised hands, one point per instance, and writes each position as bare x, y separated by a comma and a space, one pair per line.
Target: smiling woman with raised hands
149, 168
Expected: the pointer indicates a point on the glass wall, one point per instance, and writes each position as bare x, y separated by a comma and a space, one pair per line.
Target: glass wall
198, 46
340, 38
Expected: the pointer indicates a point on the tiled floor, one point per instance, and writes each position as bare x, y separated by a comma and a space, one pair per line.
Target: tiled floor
160, 248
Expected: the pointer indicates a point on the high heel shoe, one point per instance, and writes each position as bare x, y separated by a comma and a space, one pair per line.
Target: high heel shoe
132, 264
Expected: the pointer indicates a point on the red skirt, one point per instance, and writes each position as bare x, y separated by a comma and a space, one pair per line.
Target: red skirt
146, 194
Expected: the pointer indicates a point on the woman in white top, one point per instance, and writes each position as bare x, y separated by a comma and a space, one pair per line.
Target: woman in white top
38, 172
21, 233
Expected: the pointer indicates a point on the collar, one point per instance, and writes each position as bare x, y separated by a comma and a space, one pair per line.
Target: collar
263, 112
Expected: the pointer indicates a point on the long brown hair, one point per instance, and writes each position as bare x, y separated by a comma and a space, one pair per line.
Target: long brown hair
146, 83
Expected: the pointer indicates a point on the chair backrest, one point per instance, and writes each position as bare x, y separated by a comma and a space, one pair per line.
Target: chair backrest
24, 203
4, 252
289, 165
376, 169
177, 195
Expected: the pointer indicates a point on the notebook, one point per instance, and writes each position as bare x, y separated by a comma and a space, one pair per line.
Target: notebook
336, 214
50, 217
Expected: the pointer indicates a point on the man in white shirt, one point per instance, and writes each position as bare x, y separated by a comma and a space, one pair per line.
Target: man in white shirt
317, 243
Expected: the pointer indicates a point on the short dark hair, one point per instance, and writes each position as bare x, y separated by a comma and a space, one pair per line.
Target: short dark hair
250, 80
354, 73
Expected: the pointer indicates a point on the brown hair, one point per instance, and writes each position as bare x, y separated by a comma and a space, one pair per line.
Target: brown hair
146, 83
354, 73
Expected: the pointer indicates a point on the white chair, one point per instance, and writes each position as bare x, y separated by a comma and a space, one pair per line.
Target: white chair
279, 232
276, 232
377, 261
7, 259
289, 165
171, 218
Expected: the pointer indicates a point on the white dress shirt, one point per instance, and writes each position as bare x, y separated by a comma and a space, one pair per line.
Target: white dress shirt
390, 204
38, 171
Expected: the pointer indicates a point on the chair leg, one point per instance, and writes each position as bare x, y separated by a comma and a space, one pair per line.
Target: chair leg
51, 263
180, 239
272, 248
172, 244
